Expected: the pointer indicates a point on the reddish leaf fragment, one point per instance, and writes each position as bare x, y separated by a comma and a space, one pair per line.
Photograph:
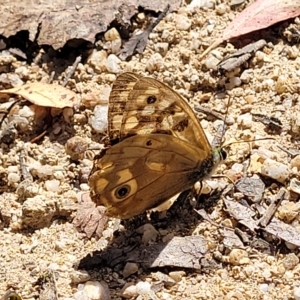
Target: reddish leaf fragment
261, 14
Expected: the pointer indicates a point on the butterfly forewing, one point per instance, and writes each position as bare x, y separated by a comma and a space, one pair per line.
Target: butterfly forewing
117, 103
153, 107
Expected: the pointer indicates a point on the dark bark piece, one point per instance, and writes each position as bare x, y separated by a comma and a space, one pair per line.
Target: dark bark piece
241, 56
276, 227
56, 23
253, 188
138, 42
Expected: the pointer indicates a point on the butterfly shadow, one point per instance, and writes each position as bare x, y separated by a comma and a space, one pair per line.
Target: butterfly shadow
175, 245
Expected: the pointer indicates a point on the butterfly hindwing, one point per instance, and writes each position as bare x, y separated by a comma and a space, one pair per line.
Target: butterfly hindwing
139, 173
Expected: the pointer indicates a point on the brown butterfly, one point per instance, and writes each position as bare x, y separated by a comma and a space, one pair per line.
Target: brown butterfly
159, 149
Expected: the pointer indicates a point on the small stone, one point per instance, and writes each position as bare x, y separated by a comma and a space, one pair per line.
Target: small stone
26, 112
177, 275
37, 212
202, 3
129, 269
183, 23
68, 114
44, 171
297, 293
295, 185
81, 295
12, 79
97, 60
80, 276
154, 63
129, 291
295, 162
264, 287
290, 261
245, 120
211, 63
143, 288
275, 170
161, 48
113, 64
13, 178
239, 257
76, 147
52, 185
149, 233
96, 290
112, 34
221, 9
99, 120
233, 82
246, 76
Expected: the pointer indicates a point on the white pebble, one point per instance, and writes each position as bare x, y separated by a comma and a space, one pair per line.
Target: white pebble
246, 76
264, 287
295, 185
13, 178
154, 63
275, 170
295, 162
202, 3
233, 82
211, 62
221, 9
44, 171
113, 64
99, 120
297, 293
12, 169
81, 295
26, 112
112, 34
52, 185
161, 48
97, 60
129, 291
183, 22
245, 120
80, 276
96, 290
143, 288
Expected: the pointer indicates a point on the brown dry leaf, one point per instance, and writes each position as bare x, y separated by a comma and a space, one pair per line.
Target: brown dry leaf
45, 94
260, 14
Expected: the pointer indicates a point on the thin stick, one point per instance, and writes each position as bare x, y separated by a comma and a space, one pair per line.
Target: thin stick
72, 71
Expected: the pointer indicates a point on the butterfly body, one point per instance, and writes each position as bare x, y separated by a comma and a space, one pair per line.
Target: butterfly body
160, 148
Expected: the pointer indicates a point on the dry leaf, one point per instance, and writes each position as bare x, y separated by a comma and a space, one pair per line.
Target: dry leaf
261, 14
44, 94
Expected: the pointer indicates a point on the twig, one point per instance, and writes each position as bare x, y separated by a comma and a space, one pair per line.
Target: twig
72, 71
264, 221
208, 111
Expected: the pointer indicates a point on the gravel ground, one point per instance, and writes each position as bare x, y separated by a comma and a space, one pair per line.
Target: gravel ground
37, 237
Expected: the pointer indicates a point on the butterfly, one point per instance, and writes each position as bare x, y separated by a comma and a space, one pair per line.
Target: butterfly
159, 148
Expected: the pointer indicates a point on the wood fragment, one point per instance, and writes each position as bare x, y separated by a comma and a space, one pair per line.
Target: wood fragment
264, 221
72, 70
